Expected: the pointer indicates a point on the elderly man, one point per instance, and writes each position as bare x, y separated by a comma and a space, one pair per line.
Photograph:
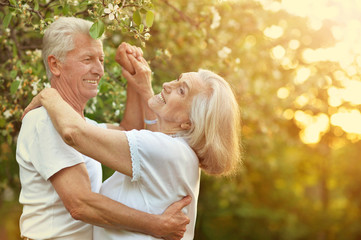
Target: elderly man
59, 185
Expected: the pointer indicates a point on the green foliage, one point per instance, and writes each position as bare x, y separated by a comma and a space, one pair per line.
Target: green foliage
97, 29
286, 189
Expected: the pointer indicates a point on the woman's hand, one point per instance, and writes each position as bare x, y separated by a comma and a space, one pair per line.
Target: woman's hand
141, 79
122, 56
37, 100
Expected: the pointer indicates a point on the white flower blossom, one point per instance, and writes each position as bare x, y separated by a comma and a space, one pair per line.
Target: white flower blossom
35, 88
147, 36
7, 114
46, 85
37, 53
216, 21
112, 11
224, 52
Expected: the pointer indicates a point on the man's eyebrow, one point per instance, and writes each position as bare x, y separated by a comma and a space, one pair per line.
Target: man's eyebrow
90, 54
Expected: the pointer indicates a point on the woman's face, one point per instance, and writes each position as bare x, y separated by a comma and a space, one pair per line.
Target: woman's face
173, 103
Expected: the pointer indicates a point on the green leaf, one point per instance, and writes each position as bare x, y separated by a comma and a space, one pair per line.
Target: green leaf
137, 18
66, 9
141, 28
2, 122
10, 139
14, 86
105, 87
13, 2
149, 18
7, 20
97, 29
15, 50
13, 74
36, 7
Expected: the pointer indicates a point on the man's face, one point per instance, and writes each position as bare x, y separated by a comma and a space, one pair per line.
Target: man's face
83, 67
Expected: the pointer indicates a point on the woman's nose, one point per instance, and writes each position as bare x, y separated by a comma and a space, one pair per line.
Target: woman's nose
167, 87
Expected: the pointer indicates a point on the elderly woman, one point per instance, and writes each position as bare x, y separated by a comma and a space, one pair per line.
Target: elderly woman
195, 123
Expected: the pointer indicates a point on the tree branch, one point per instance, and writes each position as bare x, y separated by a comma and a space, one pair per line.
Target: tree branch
181, 14
13, 37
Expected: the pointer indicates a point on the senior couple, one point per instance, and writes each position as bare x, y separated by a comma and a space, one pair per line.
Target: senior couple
192, 124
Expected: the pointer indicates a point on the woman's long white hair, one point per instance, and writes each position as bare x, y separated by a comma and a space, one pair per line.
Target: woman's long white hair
215, 128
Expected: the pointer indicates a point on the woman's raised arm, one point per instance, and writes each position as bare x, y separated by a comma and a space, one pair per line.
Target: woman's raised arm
109, 147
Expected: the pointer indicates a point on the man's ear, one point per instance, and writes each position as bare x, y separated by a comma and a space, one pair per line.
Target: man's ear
54, 65
186, 125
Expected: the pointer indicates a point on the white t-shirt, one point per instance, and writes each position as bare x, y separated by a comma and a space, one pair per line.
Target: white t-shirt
165, 169
41, 153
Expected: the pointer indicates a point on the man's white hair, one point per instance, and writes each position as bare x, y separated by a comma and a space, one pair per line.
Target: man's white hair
58, 38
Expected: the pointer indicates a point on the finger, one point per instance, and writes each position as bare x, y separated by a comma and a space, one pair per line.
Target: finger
122, 50
128, 48
144, 62
28, 109
134, 50
24, 113
182, 203
136, 64
139, 52
185, 201
126, 74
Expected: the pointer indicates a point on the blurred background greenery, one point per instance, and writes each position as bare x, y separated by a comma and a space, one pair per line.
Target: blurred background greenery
295, 67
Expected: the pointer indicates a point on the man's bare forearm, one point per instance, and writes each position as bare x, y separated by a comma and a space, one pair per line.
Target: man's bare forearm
99, 210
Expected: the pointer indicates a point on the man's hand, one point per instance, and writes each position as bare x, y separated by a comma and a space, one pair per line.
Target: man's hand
174, 221
122, 57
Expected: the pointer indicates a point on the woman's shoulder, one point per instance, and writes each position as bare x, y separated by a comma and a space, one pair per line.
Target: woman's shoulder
156, 140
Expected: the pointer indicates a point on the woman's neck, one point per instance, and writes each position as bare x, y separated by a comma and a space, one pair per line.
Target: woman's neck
169, 128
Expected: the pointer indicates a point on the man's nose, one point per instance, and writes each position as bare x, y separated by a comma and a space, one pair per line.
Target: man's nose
98, 68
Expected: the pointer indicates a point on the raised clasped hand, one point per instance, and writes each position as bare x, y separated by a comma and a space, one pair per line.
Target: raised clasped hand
122, 56
141, 79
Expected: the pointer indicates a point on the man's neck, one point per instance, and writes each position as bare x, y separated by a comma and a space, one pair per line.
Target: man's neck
69, 97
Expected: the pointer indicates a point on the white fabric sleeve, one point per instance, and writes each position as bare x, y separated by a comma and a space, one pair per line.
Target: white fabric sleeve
157, 158
50, 152
134, 154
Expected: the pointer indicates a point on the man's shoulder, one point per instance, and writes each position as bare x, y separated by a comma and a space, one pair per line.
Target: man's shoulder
36, 115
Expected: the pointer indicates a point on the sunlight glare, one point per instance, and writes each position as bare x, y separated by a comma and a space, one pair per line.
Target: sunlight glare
294, 44
303, 73
278, 52
273, 32
283, 93
313, 127
348, 120
350, 93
